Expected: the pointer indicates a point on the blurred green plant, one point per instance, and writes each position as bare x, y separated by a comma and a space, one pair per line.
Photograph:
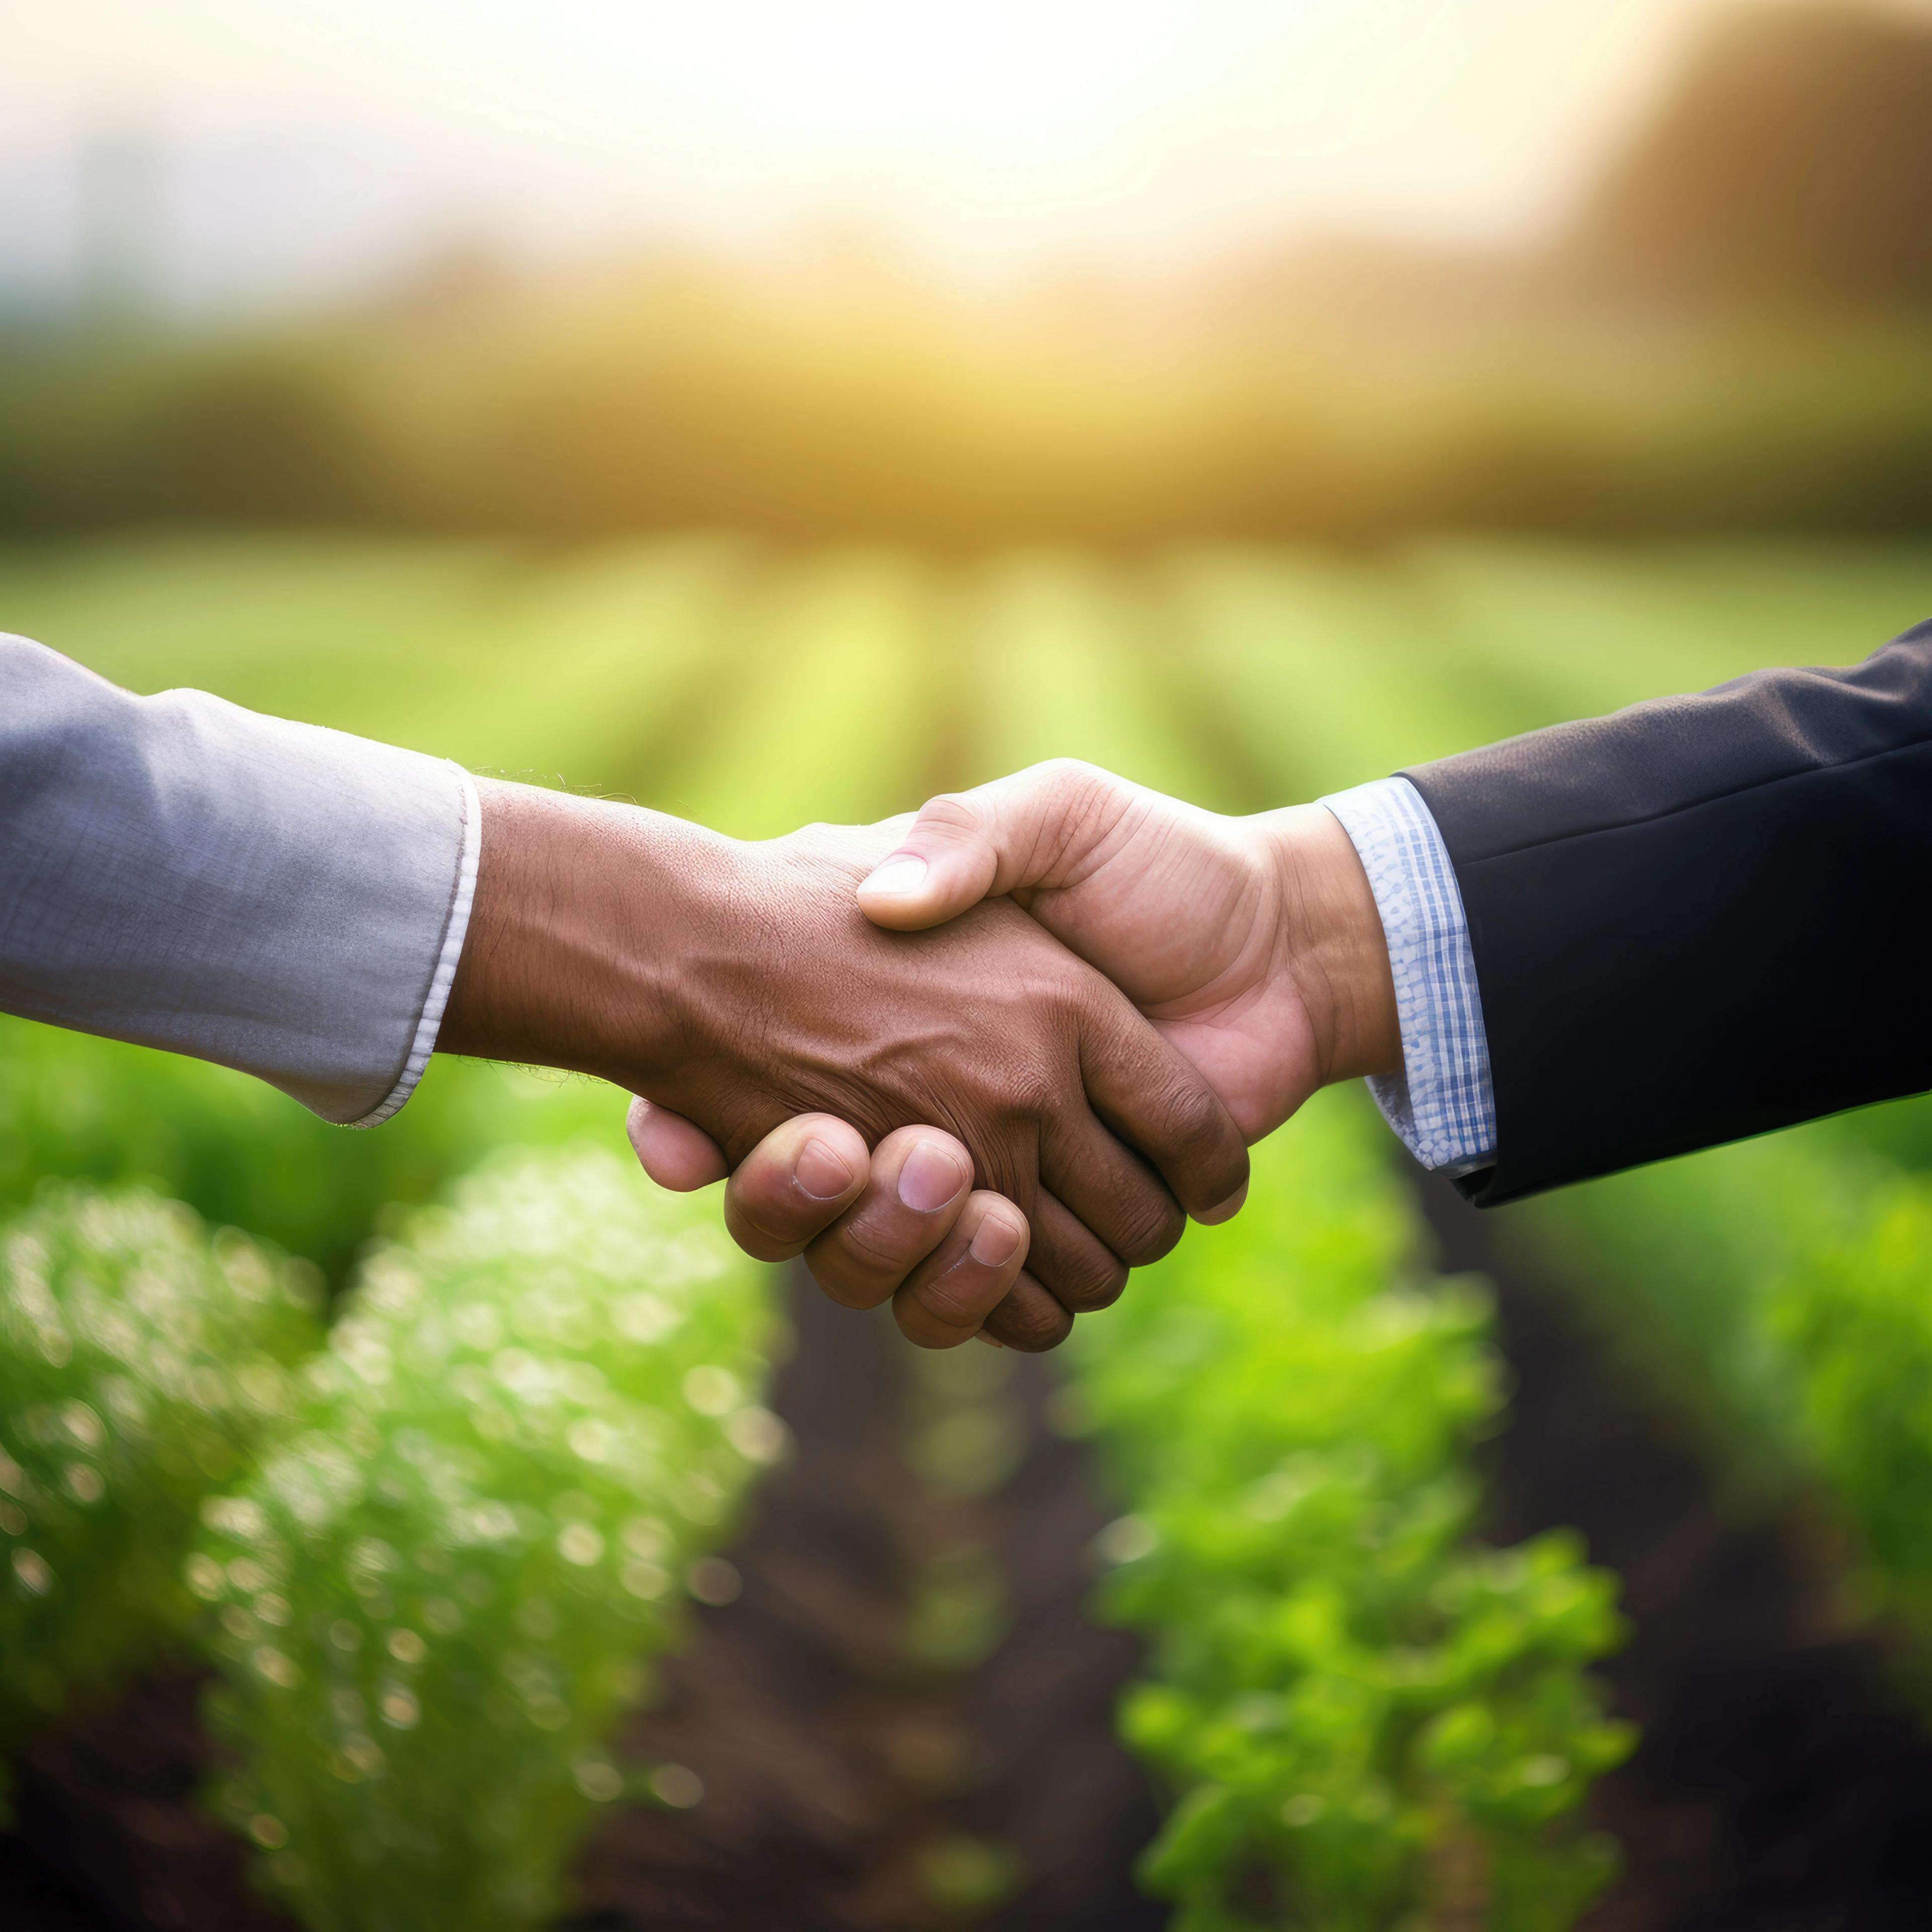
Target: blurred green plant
1778, 1293
969, 1877
1371, 1722
141, 1361
242, 1154
432, 1602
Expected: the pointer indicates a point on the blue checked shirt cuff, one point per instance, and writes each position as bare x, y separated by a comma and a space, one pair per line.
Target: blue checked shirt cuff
1442, 1104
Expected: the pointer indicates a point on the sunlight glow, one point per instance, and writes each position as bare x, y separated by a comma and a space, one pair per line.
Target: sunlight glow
987, 136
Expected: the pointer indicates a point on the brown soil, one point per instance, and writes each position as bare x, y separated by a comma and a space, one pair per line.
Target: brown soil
905, 1706
840, 1766
1782, 1785
858, 1775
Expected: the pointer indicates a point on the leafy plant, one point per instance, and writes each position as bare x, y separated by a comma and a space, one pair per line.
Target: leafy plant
141, 1359
1370, 1720
432, 1602
1780, 1293
240, 1153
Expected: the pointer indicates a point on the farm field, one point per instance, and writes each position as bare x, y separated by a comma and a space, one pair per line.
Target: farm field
892, 1666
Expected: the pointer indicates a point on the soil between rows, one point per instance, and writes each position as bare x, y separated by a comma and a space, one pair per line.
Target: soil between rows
1780, 1787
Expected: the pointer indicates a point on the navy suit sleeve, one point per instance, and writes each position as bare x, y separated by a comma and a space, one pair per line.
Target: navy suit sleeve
1699, 918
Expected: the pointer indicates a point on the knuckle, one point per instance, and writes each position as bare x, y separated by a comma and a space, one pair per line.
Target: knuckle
1202, 1144
1084, 800
757, 1241
882, 1248
954, 1299
1103, 1293
1028, 1092
952, 813
851, 1277
1196, 1120
1089, 1278
836, 1285
1032, 1324
1150, 1228
1068, 776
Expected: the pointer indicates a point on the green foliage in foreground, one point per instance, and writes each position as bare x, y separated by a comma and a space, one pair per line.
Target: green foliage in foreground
1900, 1130
243, 1155
140, 1360
432, 1602
1371, 1722
1780, 1293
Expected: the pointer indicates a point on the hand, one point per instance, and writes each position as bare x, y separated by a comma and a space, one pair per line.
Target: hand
901, 1223
737, 985
1254, 943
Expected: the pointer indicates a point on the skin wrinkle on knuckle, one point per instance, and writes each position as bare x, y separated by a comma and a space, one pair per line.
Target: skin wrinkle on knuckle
955, 818
840, 1283
884, 1254
1087, 1279
760, 1245
1088, 805
1099, 1299
1035, 1329
991, 1057
753, 1224
957, 1310
858, 1287
1153, 1232
1198, 1134
954, 1294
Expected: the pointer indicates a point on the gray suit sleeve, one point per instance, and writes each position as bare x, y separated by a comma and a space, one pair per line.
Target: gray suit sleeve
179, 872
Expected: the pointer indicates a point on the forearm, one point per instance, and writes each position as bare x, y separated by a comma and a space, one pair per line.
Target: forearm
581, 942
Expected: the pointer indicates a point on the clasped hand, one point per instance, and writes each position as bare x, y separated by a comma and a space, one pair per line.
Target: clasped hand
1107, 986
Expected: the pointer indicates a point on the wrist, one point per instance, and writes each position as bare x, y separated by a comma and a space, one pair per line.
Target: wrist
571, 957
1333, 940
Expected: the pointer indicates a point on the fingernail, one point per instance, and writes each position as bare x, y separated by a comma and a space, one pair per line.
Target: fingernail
1228, 1210
822, 1170
993, 1241
904, 872
930, 1178
991, 1341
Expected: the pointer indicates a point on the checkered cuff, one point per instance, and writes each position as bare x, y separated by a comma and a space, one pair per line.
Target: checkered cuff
1442, 1104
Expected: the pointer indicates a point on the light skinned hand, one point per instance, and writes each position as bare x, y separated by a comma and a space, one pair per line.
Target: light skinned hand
1253, 944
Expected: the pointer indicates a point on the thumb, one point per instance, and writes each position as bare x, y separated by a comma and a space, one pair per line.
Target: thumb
1040, 827
676, 1153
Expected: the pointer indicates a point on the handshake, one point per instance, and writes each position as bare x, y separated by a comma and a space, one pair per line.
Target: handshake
979, 1062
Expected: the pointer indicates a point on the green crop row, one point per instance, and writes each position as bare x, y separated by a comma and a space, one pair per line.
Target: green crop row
242, 1155
435, 1554
1776, 1293
1779, 1294
1369, 1719
432, 1600
1747, 1283
140, 1362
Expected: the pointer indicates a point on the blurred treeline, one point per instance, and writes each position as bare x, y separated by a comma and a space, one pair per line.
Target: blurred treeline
1734, 333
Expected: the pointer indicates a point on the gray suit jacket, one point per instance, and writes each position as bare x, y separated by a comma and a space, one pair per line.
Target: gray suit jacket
180, 872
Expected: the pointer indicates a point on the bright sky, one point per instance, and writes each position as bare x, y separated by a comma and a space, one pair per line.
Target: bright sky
990, 133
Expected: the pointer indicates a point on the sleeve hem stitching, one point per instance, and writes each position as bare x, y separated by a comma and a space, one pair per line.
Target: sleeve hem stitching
456, 928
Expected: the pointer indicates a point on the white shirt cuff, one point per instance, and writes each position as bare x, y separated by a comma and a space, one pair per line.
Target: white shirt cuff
456, 929
1442, 1104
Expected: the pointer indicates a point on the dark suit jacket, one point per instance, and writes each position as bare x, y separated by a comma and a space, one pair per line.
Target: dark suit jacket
1700, 918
